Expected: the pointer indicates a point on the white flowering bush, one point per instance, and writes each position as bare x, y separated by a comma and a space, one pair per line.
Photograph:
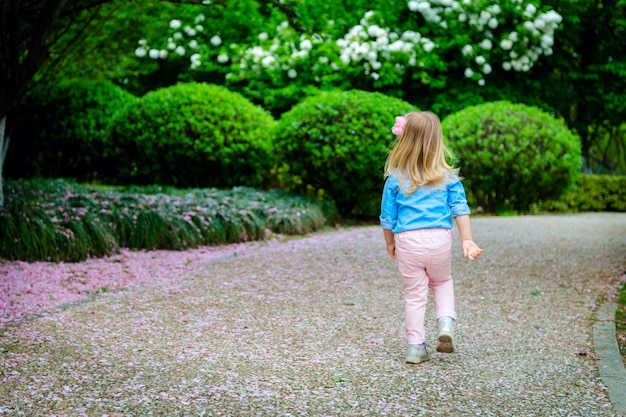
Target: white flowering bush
433, 40
510, 35
281, 56
182, 42
206, 38
280, 70
385, 55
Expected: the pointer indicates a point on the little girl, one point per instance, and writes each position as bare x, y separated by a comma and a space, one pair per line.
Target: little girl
422, 194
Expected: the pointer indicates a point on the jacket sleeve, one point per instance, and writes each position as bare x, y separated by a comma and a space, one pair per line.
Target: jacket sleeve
457, 199
388, 205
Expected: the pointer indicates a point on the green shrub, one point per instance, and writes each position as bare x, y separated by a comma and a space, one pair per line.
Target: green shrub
192, 135
590, 193
335, 144
512, 155
59, 131
55, 220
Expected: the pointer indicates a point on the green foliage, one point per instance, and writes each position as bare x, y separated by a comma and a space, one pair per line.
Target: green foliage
337, 17
278, 100
207, 31
591, 193
59, 131
585, 79
54, 220
335, 145
574, 68
607, 154
512, 155
192, 135
282, 213
105, 49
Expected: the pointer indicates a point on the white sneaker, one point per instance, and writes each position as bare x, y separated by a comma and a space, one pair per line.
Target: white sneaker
417, 353
446, 335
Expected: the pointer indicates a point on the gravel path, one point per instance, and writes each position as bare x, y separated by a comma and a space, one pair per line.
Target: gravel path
313, 327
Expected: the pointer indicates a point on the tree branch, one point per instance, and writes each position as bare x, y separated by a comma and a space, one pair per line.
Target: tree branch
289, 9
38, 48
73, 40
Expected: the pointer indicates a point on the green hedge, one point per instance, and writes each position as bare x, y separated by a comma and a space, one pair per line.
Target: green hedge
335, 144
59, 132
591, 193
192, 135
512, 155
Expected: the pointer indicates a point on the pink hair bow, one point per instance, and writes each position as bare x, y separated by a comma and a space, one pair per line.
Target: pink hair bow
398, 128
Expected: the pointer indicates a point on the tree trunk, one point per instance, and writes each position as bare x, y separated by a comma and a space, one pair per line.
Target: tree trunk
4, 145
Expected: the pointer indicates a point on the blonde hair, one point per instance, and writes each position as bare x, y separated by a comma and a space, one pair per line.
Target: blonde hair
419, 153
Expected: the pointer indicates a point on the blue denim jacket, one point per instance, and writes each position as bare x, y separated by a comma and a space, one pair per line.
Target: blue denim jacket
426, 208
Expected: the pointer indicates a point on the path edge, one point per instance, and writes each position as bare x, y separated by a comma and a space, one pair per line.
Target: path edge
610, 364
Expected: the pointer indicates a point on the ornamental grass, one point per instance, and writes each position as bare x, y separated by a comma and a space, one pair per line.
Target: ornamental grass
57, 220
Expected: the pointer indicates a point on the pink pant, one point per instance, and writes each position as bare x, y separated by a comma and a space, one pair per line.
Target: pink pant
425, 261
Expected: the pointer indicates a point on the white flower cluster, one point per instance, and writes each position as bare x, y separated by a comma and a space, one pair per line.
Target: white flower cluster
279, 55
542, 26
143, 50
177, 43
434, 9
537, 39
371, 44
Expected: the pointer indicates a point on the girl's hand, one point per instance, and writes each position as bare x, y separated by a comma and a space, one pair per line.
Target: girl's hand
391, 250
471, 250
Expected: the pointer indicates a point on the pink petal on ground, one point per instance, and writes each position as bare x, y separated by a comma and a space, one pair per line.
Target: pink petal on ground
30, 288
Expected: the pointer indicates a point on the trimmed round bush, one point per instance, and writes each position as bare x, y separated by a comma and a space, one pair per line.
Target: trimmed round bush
59, 131
335, 144
192, 135
512, 155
